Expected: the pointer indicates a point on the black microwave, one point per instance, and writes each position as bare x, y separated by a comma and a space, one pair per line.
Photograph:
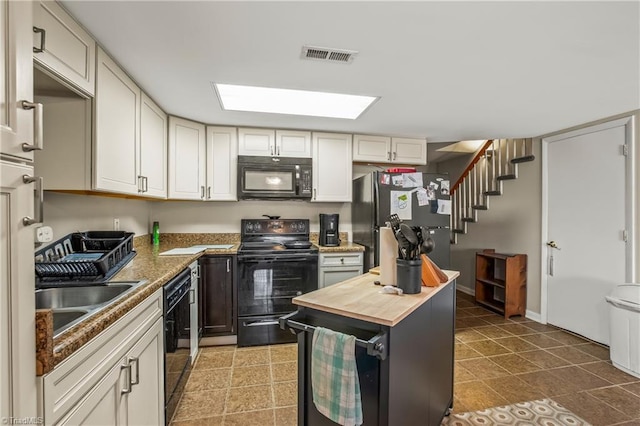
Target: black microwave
270, 178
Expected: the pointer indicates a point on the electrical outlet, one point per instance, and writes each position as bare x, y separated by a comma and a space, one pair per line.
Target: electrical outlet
116, 224
44, 234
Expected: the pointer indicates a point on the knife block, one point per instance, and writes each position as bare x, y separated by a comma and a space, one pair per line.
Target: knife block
432, 276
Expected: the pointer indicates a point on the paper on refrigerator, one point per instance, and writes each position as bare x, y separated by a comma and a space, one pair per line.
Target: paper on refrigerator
401, 204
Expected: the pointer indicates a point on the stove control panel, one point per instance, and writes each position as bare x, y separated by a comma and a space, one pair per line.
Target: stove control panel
250, 227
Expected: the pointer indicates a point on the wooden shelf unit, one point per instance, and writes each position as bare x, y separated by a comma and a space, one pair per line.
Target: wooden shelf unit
501, 282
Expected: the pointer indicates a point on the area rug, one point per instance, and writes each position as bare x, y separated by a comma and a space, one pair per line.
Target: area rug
544, 412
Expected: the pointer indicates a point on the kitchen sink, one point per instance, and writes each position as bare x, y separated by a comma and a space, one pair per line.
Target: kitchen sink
66, 297
72, 304
65, 318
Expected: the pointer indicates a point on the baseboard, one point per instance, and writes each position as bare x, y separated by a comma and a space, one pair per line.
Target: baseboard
466, 290
534, 316
219, 341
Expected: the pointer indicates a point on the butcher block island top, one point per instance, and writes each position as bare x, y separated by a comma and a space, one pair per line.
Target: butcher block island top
360, 298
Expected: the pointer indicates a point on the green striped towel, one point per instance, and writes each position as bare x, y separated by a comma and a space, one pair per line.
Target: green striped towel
334, 377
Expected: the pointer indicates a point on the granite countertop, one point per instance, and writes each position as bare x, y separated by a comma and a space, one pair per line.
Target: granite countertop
146, 265
345, 246
361, 299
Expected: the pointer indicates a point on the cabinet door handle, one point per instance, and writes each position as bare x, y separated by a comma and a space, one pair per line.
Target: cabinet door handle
314, 193
277, 150
228, 265
394, 155
140, 184
192, 296
198, 271
551, 266
202, 192
146, 184
43, 34
39, 200
271, 147
126, 366
37, 127
208, 192
342, 260
135, 360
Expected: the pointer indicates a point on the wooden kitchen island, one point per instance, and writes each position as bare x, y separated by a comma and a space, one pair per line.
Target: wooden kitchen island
404, 351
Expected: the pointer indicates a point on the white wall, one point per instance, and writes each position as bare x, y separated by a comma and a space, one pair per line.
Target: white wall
67, 213
221, 217
511, 225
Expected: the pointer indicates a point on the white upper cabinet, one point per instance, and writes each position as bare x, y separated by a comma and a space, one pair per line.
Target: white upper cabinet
332, 168
117, 132
222, 159
409, 151
62, 46
16, 76
371, 148
293, 143
187, 159
153, 150
259, 142
274, 143
384, 149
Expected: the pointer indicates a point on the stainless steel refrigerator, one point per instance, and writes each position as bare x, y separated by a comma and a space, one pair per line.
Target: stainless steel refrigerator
422, 201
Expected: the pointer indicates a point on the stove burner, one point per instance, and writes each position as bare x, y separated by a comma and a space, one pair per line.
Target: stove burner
271, 236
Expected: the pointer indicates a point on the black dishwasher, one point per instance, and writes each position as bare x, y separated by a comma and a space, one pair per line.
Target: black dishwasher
177, 353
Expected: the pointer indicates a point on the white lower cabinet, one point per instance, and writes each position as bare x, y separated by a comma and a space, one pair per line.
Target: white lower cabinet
116, 379
332, 168
337, 267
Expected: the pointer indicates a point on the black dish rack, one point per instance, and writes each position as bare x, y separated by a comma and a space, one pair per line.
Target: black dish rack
86, 256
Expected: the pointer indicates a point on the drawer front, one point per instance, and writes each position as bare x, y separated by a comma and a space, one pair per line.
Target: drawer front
340, 259
70, 381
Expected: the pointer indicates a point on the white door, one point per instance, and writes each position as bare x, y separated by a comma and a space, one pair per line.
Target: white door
101, 406
69, 51
586, 190
16, 78
332, 167
147, 379
260, 142
409, 151
187, 159
117, 118
293, 143
372, 148
17, 304
153, 149
222, 160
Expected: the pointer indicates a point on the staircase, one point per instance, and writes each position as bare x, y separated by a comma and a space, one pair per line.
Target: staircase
494, 163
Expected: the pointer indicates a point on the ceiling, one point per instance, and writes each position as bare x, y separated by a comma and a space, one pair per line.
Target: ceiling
446, 71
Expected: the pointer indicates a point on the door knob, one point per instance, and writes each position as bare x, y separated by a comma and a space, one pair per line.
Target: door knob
553, 244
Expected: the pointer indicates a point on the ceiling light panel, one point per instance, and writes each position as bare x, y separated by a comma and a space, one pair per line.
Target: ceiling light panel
294, 102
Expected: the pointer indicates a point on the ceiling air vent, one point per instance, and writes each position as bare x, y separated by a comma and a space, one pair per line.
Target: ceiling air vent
327, 54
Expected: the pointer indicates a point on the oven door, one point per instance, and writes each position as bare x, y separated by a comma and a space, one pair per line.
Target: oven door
266, 284
177, 353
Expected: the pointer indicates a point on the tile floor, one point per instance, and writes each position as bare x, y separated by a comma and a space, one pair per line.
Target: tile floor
498, 362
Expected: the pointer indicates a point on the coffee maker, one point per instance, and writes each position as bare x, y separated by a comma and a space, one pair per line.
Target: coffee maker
329, 236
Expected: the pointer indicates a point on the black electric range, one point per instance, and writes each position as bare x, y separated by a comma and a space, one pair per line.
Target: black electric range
276, 262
